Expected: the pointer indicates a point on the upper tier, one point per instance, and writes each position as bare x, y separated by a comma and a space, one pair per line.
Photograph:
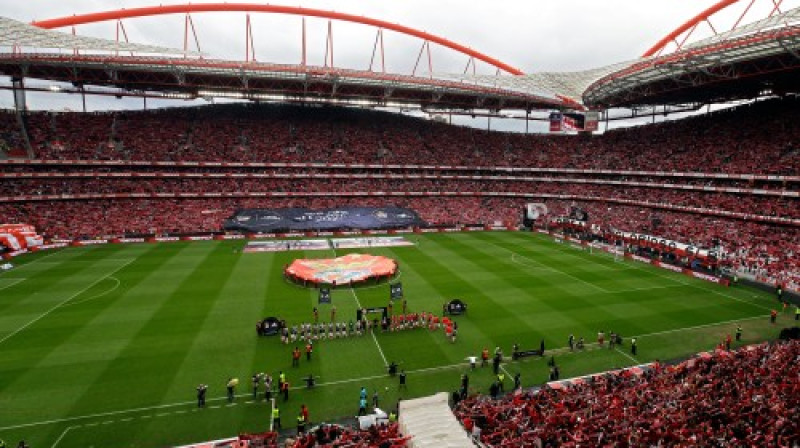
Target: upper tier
761, 138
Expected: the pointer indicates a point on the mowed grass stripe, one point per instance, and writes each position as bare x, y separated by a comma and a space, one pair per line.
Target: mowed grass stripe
46, 287
585, 312
699, 300
28, 345
581, 308
422, 294
225, 344
510, 284
636, 313
483, 308
749, 299
44, 365
152, 346
340, 362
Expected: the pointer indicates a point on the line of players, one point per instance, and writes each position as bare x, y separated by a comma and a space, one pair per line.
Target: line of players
335, 330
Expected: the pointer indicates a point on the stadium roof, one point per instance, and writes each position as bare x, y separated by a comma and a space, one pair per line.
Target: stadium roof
764, 55
17, 34
739, 63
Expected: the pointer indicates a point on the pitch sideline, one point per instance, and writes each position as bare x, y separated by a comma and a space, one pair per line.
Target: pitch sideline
345, 381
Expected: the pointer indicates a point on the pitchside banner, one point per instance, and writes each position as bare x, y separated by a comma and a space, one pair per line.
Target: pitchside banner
271, 220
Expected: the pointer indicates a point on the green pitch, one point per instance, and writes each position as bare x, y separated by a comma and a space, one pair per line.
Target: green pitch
104, 346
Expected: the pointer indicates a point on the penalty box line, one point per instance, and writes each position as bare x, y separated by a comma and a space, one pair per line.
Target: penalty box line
555, 351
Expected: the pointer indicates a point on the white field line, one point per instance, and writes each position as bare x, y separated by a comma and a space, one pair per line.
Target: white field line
627, 356
62, 436
691, 285
358, 303
571, 254
350, 380
697, 327
644, 288
506, 372
18, 281
55, 251
271, 416
97, 296
221, 398
549, 268
9, 336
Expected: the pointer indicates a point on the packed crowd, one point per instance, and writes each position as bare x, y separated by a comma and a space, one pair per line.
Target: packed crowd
767, 251
774, 206
89, 219
385, 435
379, 436
757, 138
748, 397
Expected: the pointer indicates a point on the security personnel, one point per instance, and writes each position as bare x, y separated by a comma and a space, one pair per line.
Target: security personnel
231, 388
797, 312
301, 424
276, 417
738, 333
285, 390
633, 346
2, 443
201, 398
256, 380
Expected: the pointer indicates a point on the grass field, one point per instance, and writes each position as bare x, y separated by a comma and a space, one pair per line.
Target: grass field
104, 346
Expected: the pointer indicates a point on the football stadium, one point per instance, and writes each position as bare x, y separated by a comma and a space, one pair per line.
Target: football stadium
532, 224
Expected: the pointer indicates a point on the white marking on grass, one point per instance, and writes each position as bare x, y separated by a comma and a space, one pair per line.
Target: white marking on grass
58, 440
15, 281
271, 416
696, 327
692, 285
550, 268
355, 296
37, 260
9, 336
587, 347
590, 252
97, 296
627, 356
648, 288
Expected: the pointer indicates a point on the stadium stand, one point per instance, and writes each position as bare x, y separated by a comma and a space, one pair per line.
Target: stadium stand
743, 398
751, 139
727, 179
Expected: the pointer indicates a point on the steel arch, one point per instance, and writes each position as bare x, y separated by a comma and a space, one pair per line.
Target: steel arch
272, 9
692, 23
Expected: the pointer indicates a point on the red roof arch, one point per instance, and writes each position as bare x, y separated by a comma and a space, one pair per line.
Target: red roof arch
690, 25
272, 9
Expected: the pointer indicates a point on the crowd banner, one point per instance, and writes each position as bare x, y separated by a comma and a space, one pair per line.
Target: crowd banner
303, 219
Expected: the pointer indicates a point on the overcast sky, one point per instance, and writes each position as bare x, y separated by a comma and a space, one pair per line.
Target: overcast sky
533, 35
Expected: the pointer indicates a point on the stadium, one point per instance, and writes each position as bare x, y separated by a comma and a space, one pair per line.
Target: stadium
439, 245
